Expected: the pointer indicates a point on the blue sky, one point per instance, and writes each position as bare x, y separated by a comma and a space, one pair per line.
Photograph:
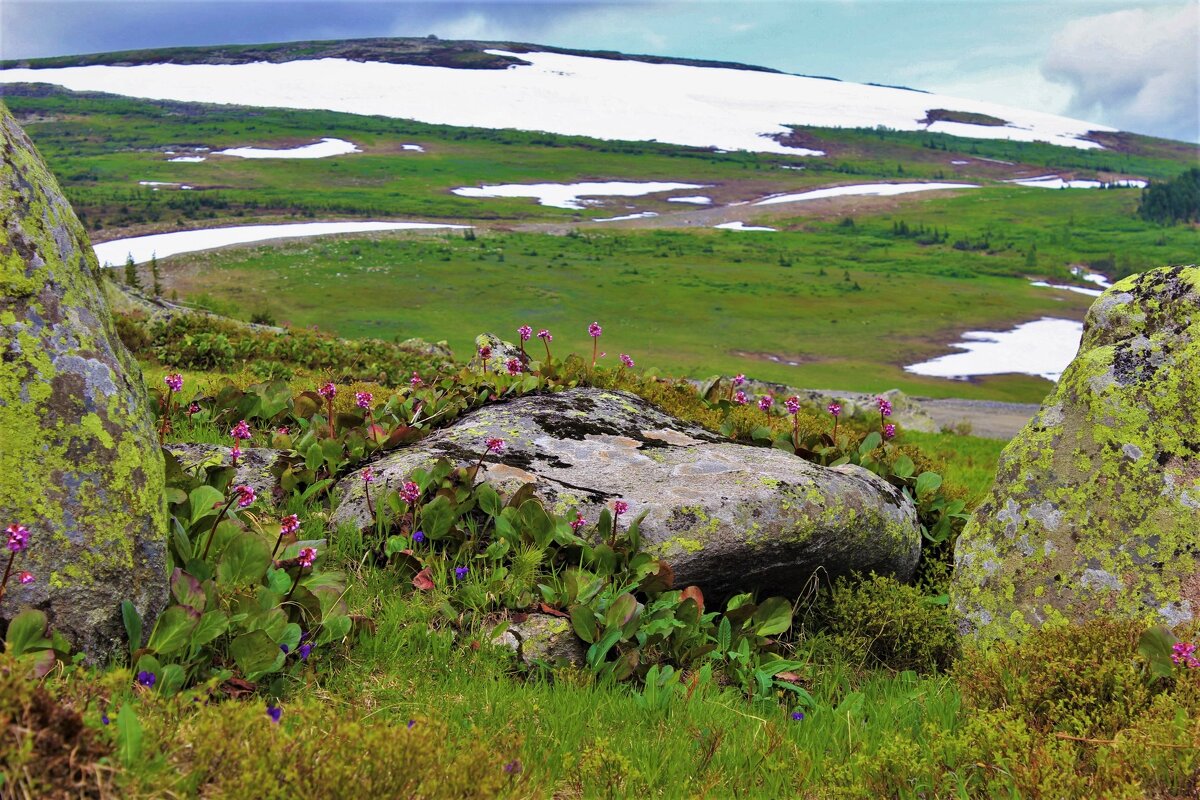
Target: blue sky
1131, 65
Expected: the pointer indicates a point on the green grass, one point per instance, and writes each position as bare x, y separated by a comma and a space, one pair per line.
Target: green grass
969, 461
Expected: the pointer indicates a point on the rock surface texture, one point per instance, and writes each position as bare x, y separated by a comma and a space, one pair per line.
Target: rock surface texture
79, 456
727, 517
1096, 506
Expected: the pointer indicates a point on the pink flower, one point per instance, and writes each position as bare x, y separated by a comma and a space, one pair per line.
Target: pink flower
626, 360
545, 336
193, 408
485, 352
18, 537
416, 380
368, 476
25, 578
283, 430
1183, 654
578, 522
240, 431
289, 525
174, 381
495, 446
246, 496
525, 332
306, 556
363, 400
765, 402
514, 366
620, 507
793, 405
328, 391
594, 330
236, 452
738, 379
885, 405
889, 431
410, 492
834, 408
740, 398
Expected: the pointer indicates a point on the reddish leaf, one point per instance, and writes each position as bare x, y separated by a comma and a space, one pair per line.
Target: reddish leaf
422, 580
237, 687
554, 612
693, 593
519, 617
790, 677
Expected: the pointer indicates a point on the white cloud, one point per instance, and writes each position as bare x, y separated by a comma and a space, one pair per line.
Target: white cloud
1134, 69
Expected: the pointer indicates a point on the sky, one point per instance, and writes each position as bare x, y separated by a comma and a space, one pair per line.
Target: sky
1130, 65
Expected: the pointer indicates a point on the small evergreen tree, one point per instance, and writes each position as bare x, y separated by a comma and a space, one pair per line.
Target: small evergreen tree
131, 275
154, 274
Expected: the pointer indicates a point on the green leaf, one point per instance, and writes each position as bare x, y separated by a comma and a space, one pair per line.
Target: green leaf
437, 517
489, 500
172, 630
928, 482
873, 440
211, 625
201, 501
724, 635
186, 590
536, 522
255, 653
903, 468
583, 620
26, 633
129, 736
171, 680
773, 617
279, 581
621, 611
133, 627
245, 560
1156, 646
597, 652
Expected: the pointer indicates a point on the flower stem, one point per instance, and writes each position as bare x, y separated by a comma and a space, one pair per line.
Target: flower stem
595, 347
295, 583
213, 531
7, 571
329, 406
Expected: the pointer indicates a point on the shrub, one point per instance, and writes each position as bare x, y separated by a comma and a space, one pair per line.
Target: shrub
885, 622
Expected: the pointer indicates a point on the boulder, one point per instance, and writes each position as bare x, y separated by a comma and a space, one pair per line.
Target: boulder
545, 638
728, 517
253, 468
79, 457
1096, 505
501, 353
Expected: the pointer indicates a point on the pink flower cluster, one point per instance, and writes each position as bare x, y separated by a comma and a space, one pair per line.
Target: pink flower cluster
328, 391
240, 431
885, 405
289, 525
834, 408
245, 496
545, 335
765, 402
174, 381
18, 537
626, 360
416, 380
620, 507
513, 365
1183, 654
594, 330
410, 492
793, 405
306, 556
740, 398
363, 400
525, 332
578, 522
495, 446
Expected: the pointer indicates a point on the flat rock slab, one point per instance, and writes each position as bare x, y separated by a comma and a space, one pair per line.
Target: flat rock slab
728, 517
253, 468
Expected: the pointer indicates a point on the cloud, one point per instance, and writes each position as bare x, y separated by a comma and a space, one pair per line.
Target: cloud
1134, 69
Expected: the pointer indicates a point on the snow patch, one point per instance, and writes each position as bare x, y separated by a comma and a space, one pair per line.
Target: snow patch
192, 159
141, 248
1043, 347
640, 215
1056, 182
698, 200
416, 148
569, 195
873, 189
323, 149
727, 109
1077, 289
741, 226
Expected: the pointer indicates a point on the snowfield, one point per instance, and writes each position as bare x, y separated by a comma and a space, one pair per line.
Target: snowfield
1056, 182
1043, 347
741, 226
141, 248
570, 195
872, 189
322, 149
727, 109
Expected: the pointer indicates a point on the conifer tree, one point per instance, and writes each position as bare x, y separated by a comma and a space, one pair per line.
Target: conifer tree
131, 275
154, 274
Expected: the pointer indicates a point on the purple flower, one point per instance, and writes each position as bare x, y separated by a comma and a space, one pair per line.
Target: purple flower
306, 556
193, 408
174, 381
410, 492
289, 525
240, 431
545, 335
18, 537
495, 446
525, 332
25, 578
304, 651
513, 767
620, 507
514, 366
284, 648
738, 380
765, 402
885, 405
578, 522
626, 360
274, 712
245, 496
1183, 654
368, 476
594, 330
363, 400
740, 398
798, 715
419, 536
104, 718
328, 391
461, 572
834, 408
411, 722
146, 679
793, 405
889, 431
416, 380
485, 352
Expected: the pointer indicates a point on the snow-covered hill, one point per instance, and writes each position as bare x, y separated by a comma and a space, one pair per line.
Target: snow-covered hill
605, 98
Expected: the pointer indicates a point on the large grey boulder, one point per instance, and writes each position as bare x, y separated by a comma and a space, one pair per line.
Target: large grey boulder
80, 464
1096, 505
728, 517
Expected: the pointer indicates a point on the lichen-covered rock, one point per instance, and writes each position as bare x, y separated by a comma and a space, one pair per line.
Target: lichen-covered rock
1096, 506
80, 464
499, 352
728, 517
253, 468
545, 638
